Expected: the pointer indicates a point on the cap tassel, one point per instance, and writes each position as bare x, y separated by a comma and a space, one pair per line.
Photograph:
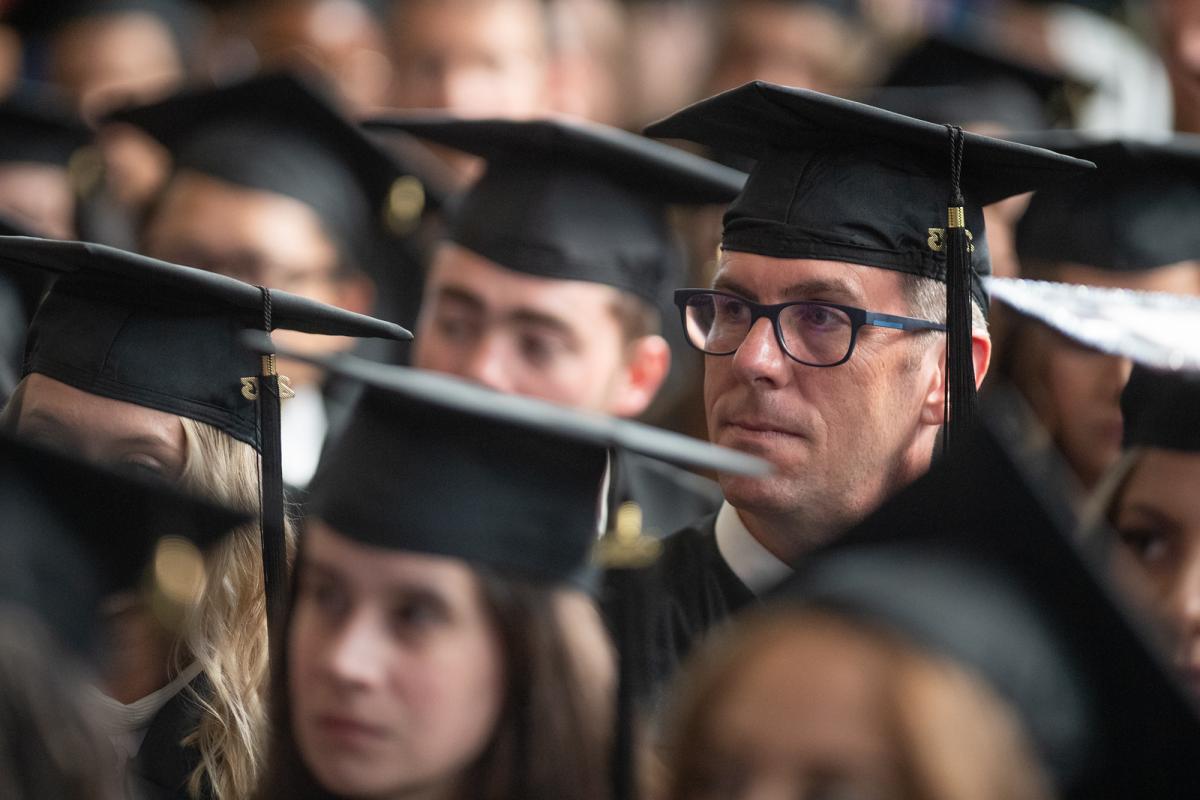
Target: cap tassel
960, 397
274, 550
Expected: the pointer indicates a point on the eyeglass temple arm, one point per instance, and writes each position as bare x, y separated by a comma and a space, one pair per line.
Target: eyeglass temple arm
902, 323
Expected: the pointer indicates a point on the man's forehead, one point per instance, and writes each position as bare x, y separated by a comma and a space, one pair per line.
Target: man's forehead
457, 269
773, 279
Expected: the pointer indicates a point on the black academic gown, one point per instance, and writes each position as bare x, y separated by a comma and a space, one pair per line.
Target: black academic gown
670, 498
163, 764
686, 593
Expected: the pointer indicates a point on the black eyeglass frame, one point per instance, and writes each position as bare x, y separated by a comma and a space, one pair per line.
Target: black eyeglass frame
858, 318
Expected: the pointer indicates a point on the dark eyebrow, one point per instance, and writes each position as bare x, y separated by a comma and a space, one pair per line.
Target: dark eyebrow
830, 289
823, 289
460, 295
724, 284
530, 317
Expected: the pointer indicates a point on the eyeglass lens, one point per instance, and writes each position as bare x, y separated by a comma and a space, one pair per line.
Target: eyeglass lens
813, 333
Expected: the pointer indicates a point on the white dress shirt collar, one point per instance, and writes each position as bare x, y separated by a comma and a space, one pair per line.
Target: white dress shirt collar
753, 564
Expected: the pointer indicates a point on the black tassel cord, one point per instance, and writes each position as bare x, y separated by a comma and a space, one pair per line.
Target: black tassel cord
274, 552
960, 399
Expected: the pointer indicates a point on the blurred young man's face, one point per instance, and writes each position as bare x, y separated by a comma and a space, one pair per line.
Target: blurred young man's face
260, 237
476, 57
553, 339
789, 43
38, 196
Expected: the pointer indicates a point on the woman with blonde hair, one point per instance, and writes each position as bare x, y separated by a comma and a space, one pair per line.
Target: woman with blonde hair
135, 363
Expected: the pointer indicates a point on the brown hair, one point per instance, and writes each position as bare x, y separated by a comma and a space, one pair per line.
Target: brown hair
552, 738
635, 316
49, 745
955, 739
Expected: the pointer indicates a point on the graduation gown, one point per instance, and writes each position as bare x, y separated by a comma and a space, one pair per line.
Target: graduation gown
670, 498
688, 591
163, 765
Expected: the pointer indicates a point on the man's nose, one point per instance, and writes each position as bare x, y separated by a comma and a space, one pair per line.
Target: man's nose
488, 364
760, 356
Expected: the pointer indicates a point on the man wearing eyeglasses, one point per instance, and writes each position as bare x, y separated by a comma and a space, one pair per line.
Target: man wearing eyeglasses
825, 332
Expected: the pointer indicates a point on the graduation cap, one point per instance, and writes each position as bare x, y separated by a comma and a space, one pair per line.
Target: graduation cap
1136, 212
1162, 409
1157, 329
37, 125
987, 574
843, 181
73, 533
164, 336
281, 134
431, 463
573, 200
965, 81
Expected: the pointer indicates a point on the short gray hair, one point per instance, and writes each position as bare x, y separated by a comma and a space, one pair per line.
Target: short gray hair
926, 298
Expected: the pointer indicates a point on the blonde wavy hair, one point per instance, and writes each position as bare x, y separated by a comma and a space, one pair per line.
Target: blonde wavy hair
225, 632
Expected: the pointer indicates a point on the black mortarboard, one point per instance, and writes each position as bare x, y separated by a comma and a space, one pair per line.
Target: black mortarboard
843, 181
1162, 409
431, 463
38, 126
280, 134
964, 81
73, 533
165, 336
1137, 211
1157, 329
161, 335
986, 573
1007, 105
574, 200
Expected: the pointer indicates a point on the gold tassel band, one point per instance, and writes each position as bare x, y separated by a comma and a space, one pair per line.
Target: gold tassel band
955, 217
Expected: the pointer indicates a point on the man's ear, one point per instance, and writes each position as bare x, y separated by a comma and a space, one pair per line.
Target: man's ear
933, 409
648, 360
981, 354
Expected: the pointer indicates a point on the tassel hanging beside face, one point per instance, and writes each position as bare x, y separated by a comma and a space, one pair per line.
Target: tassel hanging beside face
960, 397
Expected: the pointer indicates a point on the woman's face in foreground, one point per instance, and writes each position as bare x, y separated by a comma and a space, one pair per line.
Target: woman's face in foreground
812, 707
1157, 558
802, 719
395, 669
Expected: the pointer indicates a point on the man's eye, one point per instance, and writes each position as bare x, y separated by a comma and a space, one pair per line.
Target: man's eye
457, 327
539, 350
730, 308
818, 317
